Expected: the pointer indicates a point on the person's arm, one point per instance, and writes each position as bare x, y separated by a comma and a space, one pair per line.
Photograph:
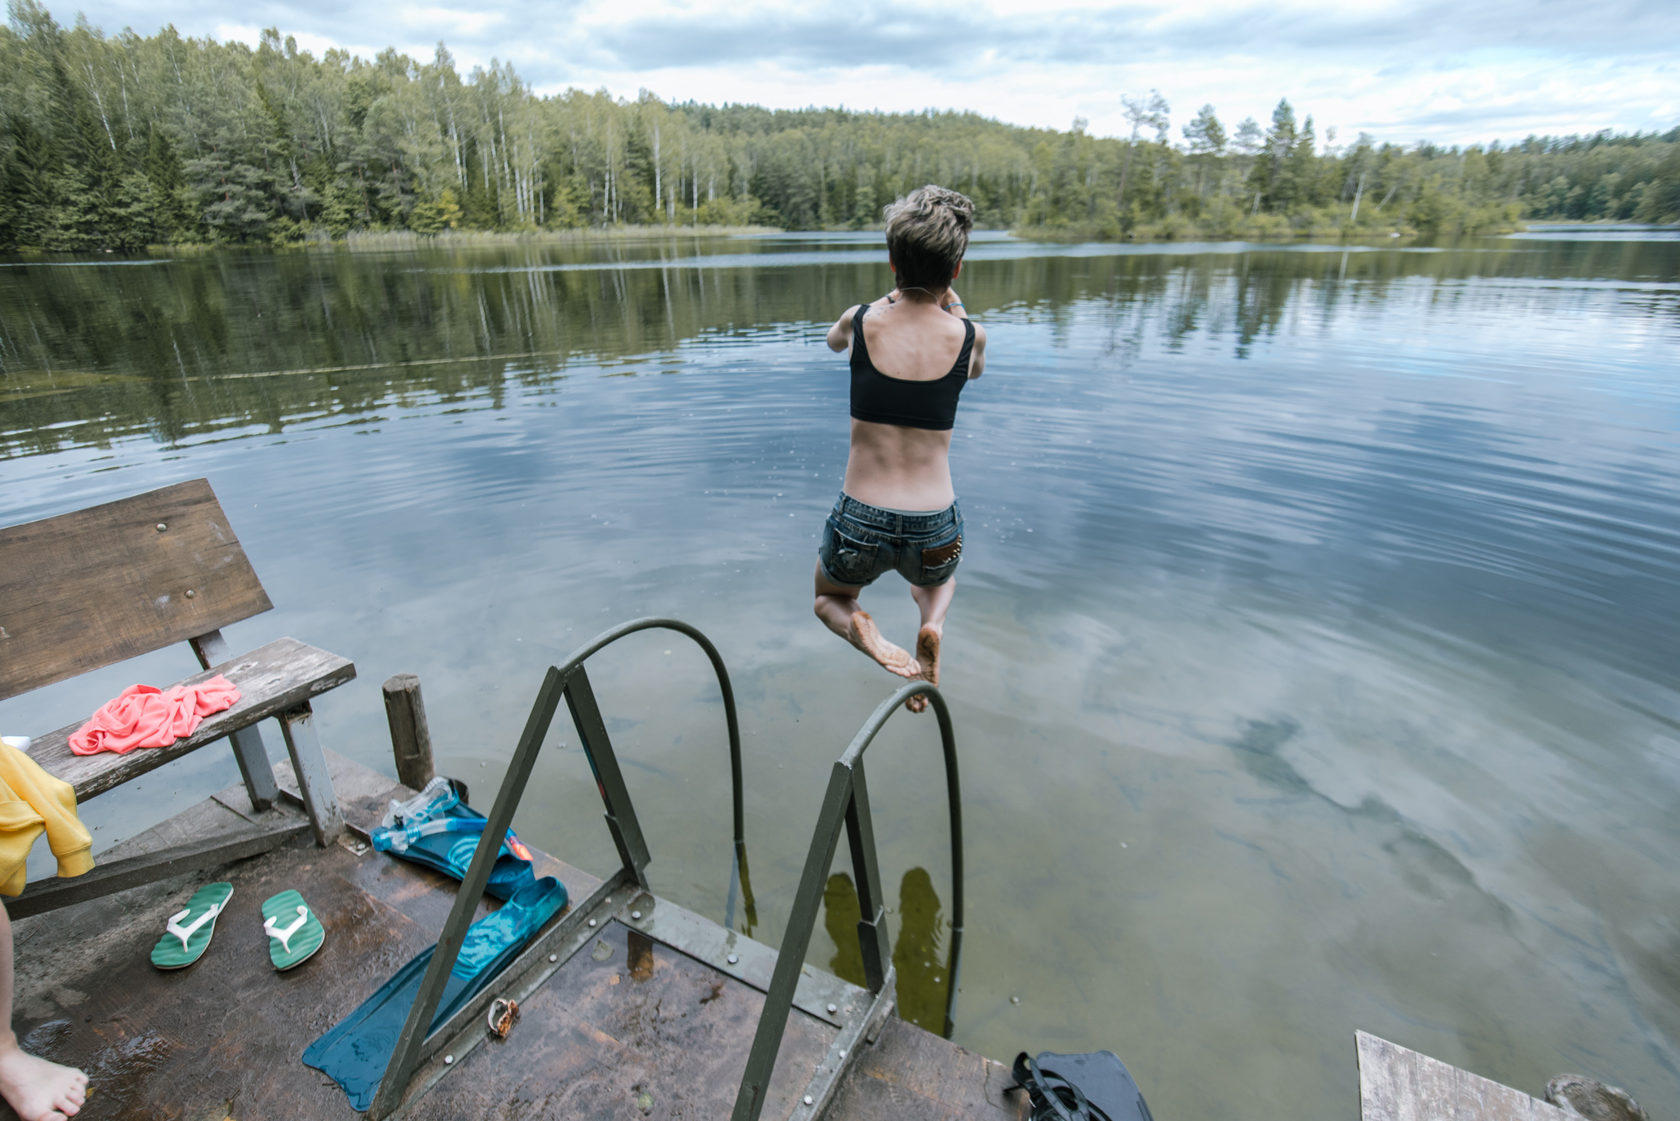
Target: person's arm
952, 303
840, 335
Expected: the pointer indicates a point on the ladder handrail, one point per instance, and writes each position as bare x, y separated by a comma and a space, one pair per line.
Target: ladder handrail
953, 801
608, 637
846, 804
570, 682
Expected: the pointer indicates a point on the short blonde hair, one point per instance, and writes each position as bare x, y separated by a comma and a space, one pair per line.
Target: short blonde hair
927, 235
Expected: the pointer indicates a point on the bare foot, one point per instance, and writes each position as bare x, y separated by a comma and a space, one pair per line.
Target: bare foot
40, 1090
866, 637
927, 663
927, 652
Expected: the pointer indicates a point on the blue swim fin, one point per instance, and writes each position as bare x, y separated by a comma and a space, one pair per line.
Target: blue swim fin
356, 1050
435, 828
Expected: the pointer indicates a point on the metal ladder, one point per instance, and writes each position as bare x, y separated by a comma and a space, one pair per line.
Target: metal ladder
856, 1012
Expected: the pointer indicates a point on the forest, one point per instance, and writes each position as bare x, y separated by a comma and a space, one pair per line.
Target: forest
119, 142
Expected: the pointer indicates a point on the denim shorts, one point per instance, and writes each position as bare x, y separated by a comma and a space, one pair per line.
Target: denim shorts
860, 542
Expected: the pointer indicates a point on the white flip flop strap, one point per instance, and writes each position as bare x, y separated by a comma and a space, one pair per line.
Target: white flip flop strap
284, 933
173, 926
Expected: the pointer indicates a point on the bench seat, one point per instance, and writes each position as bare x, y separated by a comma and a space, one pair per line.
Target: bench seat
275, 680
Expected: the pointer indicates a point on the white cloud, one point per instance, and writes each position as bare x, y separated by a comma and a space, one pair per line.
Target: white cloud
450, 21
316, 45
1463, 105
1403, 70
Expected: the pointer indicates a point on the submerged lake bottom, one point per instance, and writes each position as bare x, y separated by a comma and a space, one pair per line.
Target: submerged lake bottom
1310, 663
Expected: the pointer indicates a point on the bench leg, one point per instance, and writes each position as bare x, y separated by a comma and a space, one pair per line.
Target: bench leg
254, 767
314, 783
212, 649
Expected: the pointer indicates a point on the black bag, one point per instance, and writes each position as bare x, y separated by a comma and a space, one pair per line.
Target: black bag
1091, 1087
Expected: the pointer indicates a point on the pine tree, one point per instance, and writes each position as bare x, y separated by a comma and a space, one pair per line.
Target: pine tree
28, 189
86, 218
172, 204
1300, 169
235, 197
1206, 138
137, 217
1269, 179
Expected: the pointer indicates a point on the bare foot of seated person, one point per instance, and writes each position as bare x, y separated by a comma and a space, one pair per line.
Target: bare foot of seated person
37, 1089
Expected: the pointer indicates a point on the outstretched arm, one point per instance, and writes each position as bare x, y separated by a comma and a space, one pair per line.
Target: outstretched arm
840, 335
952, 303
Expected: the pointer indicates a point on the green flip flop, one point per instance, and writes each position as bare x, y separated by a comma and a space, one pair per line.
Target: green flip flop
188, 932
294, 933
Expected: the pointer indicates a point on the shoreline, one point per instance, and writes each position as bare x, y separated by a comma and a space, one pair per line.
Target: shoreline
1276, 231
381, 240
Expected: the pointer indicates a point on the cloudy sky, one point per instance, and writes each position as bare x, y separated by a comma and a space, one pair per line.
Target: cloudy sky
1449, 71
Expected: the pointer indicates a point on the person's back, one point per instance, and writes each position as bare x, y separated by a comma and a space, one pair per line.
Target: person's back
912, 351
895, 461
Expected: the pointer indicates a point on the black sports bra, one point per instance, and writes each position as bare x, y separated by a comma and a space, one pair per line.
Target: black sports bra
884, 399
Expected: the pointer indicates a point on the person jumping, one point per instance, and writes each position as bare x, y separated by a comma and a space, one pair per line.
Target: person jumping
912, 351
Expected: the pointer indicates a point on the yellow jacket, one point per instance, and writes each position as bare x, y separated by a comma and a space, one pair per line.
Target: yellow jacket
31, 801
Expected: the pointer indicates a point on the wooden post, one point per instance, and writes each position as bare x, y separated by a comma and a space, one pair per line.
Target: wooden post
411, 743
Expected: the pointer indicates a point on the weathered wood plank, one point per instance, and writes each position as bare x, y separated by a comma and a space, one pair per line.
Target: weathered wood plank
1396, 1084
363, 793
908, 1072
272, 679
208, 818
120, 875
221, 1038
100, 585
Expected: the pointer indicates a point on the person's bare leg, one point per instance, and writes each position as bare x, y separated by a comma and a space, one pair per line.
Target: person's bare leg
837, 607
37, 1089
933, 602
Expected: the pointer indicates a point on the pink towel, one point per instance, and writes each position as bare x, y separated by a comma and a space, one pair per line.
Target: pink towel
146, 716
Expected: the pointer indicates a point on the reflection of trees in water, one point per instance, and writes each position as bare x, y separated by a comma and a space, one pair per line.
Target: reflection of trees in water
89, 354
268, 341
1247, 296
918, 932
150, 350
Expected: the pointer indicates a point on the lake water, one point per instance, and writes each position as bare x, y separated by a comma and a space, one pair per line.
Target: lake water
1313, 663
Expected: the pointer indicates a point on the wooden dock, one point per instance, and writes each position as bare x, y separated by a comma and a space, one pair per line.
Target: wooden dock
627, 1026
630, 1027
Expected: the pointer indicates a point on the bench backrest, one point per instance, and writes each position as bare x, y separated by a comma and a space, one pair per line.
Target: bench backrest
112, 582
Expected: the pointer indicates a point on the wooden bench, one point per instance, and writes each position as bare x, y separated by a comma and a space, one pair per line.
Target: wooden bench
88, 589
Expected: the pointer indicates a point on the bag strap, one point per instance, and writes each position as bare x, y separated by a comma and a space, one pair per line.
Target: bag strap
1051, 1094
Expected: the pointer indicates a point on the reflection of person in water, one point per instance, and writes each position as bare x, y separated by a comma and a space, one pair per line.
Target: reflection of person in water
912, 351
923, 986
